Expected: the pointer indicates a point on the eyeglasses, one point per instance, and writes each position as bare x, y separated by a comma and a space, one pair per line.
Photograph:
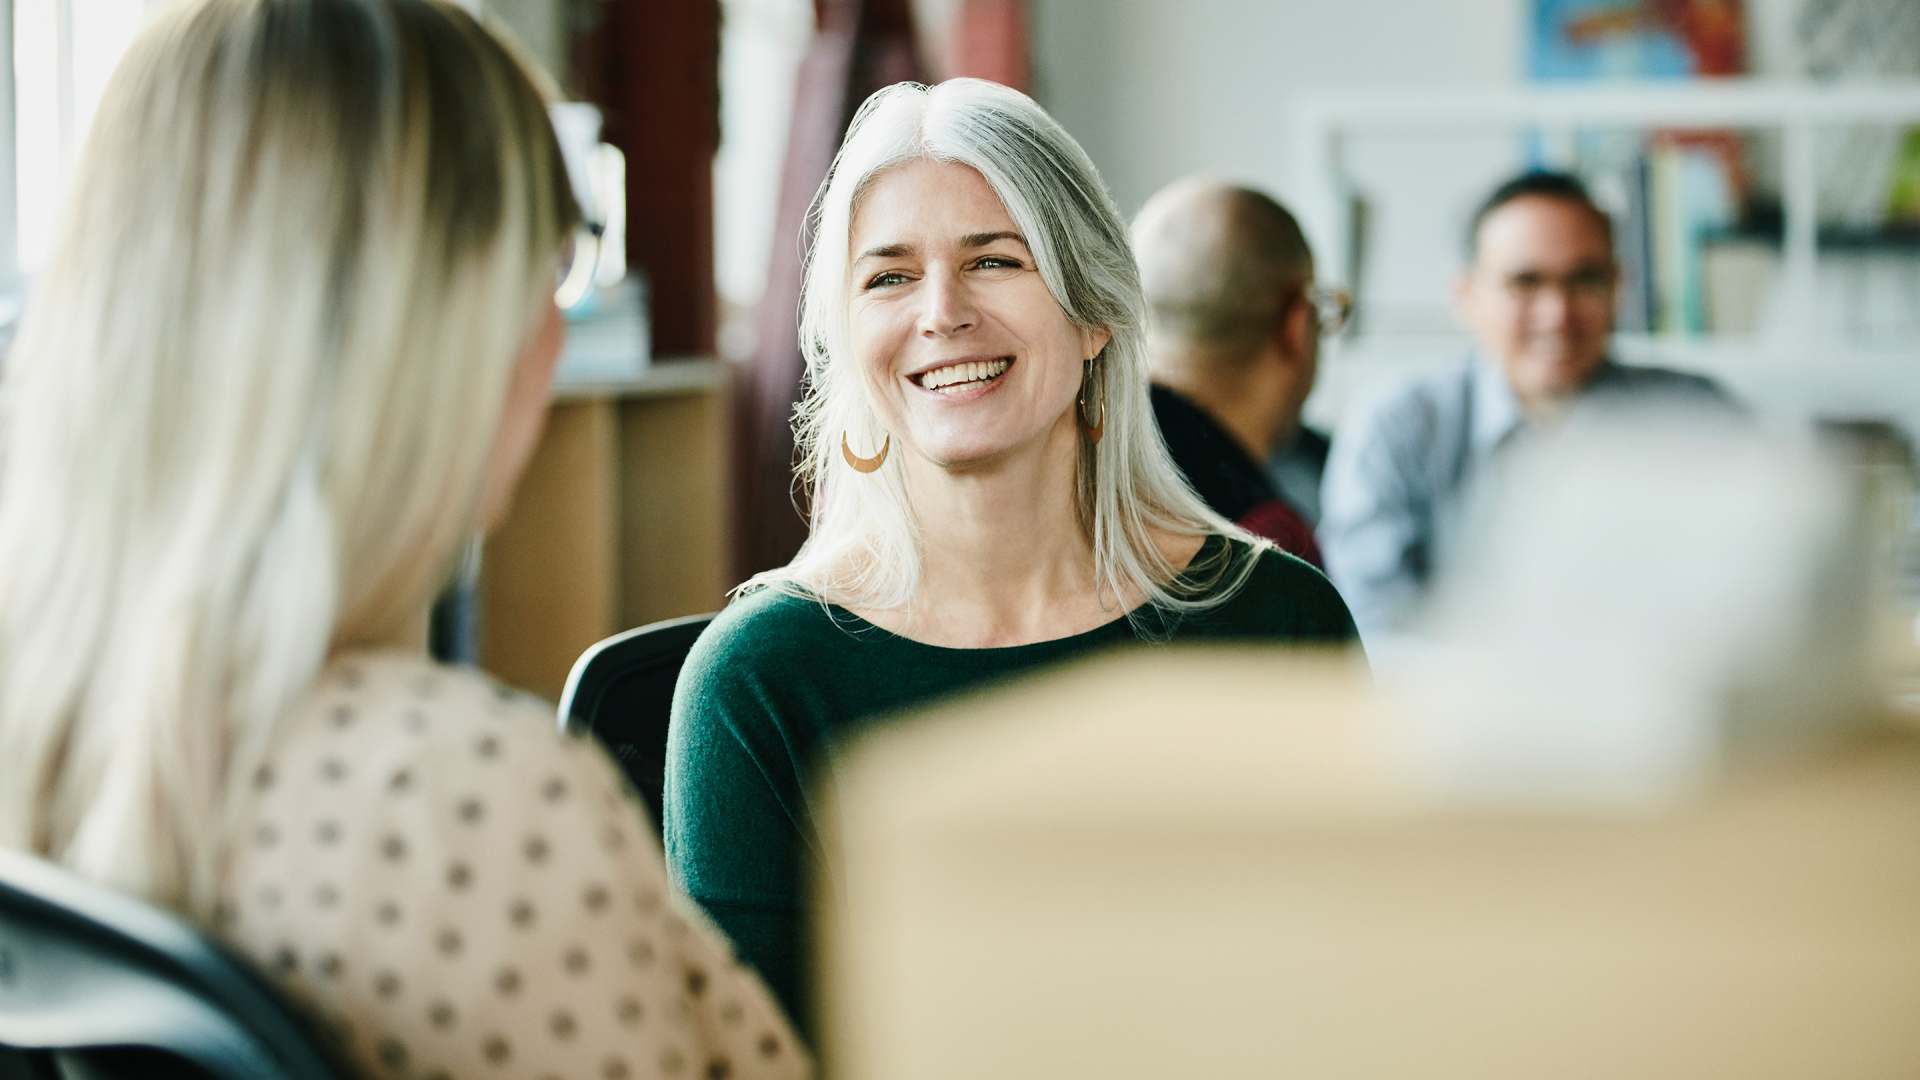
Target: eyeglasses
578, 268
1332, 307
1591, 283
594, 256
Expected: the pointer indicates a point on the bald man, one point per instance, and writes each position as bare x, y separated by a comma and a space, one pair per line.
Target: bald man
1234, 344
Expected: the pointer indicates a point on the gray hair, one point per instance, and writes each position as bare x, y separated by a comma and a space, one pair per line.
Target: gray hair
864, 547
253, 399
1217, 261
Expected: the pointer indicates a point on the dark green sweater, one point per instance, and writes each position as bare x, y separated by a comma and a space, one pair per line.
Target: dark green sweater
776, 681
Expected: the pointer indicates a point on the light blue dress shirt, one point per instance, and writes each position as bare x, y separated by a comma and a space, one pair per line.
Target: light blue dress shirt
1402, 472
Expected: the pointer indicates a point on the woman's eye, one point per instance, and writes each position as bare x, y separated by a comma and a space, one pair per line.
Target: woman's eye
891, 277
997, 262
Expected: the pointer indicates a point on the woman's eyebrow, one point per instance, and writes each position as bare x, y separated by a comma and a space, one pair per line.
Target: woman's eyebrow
970, 240
886, 251
982, 239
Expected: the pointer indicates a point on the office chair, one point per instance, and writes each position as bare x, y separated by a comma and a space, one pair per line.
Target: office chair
97, 985
621, 690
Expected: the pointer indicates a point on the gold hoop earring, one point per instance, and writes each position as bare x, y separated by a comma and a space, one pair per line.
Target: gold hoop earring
1094, 430
865, 464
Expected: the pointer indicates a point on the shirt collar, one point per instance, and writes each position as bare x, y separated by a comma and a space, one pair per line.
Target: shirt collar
1496, 412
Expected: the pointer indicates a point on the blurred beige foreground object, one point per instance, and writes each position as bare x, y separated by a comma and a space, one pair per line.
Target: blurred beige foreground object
1229, 864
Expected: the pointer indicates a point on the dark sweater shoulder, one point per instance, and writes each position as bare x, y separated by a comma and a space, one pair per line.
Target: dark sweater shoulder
1284, 598
760, 634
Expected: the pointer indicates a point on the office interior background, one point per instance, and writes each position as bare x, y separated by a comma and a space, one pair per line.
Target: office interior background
1761, 161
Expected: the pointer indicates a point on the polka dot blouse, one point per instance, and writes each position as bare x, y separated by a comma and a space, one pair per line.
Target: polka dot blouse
454, 890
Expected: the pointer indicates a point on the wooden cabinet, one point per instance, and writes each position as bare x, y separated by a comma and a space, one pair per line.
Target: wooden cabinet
620, 520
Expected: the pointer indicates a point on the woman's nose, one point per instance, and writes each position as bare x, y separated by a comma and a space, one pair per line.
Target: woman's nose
947, 305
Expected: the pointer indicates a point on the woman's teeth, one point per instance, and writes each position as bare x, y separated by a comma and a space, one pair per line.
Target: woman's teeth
956, 377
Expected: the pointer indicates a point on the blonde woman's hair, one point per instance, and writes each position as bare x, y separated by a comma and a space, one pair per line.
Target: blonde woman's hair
864, 546
251, 404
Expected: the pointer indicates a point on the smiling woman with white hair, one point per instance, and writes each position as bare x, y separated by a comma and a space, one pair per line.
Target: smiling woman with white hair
291, 351
989, 492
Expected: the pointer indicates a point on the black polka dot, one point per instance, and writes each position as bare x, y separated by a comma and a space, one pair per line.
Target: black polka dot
640, 952
333, 770
672, 1062
769, 1045
459, 876
266, 835
400, 782
562, 1025
487, 746
536, 849
696, 982
351, 678
342, 716
263, 778
448, 941
575, 960
393, 847
627, 1010
327, 833
520, 914
325, 895
731, 1013
387, 913
496, 1049
554, 789
470, 811
616, 1069
285, 960
719, 1069
596, 898
507, 982
328, 965
386, 985
647, 901
392, 1053
612, 838
440, 1014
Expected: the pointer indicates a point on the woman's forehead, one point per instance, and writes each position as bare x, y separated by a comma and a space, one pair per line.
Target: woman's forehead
925, 201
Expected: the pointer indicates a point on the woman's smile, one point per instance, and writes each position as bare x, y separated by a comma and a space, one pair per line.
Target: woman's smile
964, 379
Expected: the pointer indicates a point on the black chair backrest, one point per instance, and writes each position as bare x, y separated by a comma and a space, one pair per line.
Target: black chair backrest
97, 984
621, 691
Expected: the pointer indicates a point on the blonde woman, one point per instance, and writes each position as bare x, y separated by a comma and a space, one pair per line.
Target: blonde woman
292, 349
989, 492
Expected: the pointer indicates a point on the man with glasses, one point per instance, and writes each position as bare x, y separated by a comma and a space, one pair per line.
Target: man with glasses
1537, 296
1235, 339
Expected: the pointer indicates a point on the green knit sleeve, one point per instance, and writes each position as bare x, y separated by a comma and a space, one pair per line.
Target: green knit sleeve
734, 810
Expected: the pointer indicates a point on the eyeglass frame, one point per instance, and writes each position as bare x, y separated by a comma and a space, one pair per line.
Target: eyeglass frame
1332, 307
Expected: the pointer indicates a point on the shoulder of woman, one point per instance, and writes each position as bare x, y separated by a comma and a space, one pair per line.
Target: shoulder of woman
398, 722
766, 626
1291, 595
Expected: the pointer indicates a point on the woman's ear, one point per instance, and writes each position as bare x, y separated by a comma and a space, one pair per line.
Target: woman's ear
1093, 339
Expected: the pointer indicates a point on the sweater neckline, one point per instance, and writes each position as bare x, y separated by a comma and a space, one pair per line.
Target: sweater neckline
847, 621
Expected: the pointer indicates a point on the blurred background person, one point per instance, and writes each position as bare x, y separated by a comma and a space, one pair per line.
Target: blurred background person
1234, 345
989, 496
290, 352
1537, 294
